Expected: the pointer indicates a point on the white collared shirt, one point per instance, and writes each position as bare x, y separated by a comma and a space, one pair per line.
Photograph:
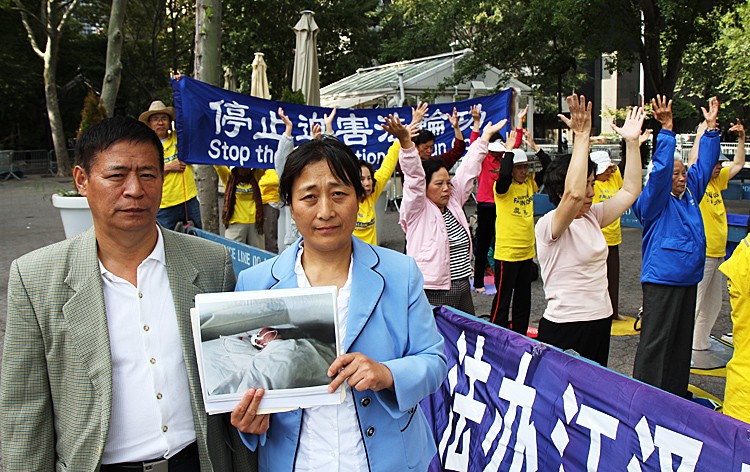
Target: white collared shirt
330, 439
151, 412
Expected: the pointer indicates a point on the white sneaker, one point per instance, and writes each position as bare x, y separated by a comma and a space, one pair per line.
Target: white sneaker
727, 338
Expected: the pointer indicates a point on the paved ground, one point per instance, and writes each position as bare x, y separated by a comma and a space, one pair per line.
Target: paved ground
28, 221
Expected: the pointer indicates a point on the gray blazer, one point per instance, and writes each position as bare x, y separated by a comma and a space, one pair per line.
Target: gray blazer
56, 379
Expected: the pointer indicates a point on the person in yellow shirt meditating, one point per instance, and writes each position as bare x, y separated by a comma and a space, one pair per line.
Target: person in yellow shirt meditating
374, 183
710, 289
243, 205
179, 197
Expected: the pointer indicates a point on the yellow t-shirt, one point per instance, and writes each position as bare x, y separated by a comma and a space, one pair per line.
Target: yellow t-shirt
737, 393
365, 228
244, 205
514, 224
269, 186
178, 187
604, 191
715, 215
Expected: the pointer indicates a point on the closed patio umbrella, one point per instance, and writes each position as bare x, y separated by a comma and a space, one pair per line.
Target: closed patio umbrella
259, 81
306, 73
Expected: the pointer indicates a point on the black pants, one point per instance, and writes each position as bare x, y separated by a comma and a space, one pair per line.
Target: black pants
613, 278
485, 238
458, 296
663, 355
590, 339
513, 282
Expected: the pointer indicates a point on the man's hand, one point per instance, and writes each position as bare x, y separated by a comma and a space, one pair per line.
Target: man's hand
417, 114
631, 130
490, 129
403, 133
286, 120
328, 120
580, 115
476, 115
175, 166
738, 128
662, 111
712, 114
360, 372
453, 118
245, 416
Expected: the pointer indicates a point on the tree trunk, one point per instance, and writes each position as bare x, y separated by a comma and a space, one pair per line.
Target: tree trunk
113, 71
208, 69
53, 109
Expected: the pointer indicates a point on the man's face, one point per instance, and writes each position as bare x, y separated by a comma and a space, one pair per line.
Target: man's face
123, 187
717, 170
425, 149
160, 123
679, 178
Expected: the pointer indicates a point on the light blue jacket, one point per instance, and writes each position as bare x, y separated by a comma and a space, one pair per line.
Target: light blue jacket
674, 241
389, 321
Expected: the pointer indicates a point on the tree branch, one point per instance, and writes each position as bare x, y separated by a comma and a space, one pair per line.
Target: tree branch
29, 31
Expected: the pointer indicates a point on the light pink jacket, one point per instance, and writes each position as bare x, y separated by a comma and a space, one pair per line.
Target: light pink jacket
421, 219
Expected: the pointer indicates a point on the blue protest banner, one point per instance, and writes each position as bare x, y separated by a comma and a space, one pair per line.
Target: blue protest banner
219, 127
512, 404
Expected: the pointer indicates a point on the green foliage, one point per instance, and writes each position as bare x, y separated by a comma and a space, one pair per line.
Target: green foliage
93, 113
287, 96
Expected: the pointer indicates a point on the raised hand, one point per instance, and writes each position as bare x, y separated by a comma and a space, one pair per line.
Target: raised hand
712, 114
490, 129
580, 115
521, 115
328, 120
510, 141
738, 128
529, 140
476, 113
645, 136
662, 111
317, 131
453, 118
403, 133
417, 114
286, 120
631, 130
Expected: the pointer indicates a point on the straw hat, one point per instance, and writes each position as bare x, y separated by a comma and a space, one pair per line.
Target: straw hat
157, 106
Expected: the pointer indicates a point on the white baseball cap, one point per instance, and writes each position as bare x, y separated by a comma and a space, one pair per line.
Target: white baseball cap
520, 157
602, 161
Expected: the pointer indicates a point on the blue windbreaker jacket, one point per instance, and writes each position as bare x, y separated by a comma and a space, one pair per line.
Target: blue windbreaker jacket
674, 241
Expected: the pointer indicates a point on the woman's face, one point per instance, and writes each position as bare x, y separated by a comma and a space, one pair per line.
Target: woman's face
604, 176
366, 179
439, 188
324, 209
520, 173
589, 196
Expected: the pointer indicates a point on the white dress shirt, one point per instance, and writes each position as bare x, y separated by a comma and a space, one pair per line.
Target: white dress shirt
151, 412
330, 439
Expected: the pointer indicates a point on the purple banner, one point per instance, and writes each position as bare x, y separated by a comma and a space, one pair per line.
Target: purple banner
512, 404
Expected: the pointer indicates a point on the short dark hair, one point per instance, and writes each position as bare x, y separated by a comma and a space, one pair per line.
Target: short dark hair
423, 136
341, 161
431, 166
104, 135
370, 168
554, 176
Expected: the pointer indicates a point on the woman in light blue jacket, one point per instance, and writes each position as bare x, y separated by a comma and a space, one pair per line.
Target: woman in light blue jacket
393, 354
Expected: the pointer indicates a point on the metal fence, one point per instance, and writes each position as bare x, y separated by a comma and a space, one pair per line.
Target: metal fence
14, 164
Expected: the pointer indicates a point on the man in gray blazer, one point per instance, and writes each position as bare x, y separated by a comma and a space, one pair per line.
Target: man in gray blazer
99, 369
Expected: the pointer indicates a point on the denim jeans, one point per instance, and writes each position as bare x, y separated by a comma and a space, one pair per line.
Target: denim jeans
170, 216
